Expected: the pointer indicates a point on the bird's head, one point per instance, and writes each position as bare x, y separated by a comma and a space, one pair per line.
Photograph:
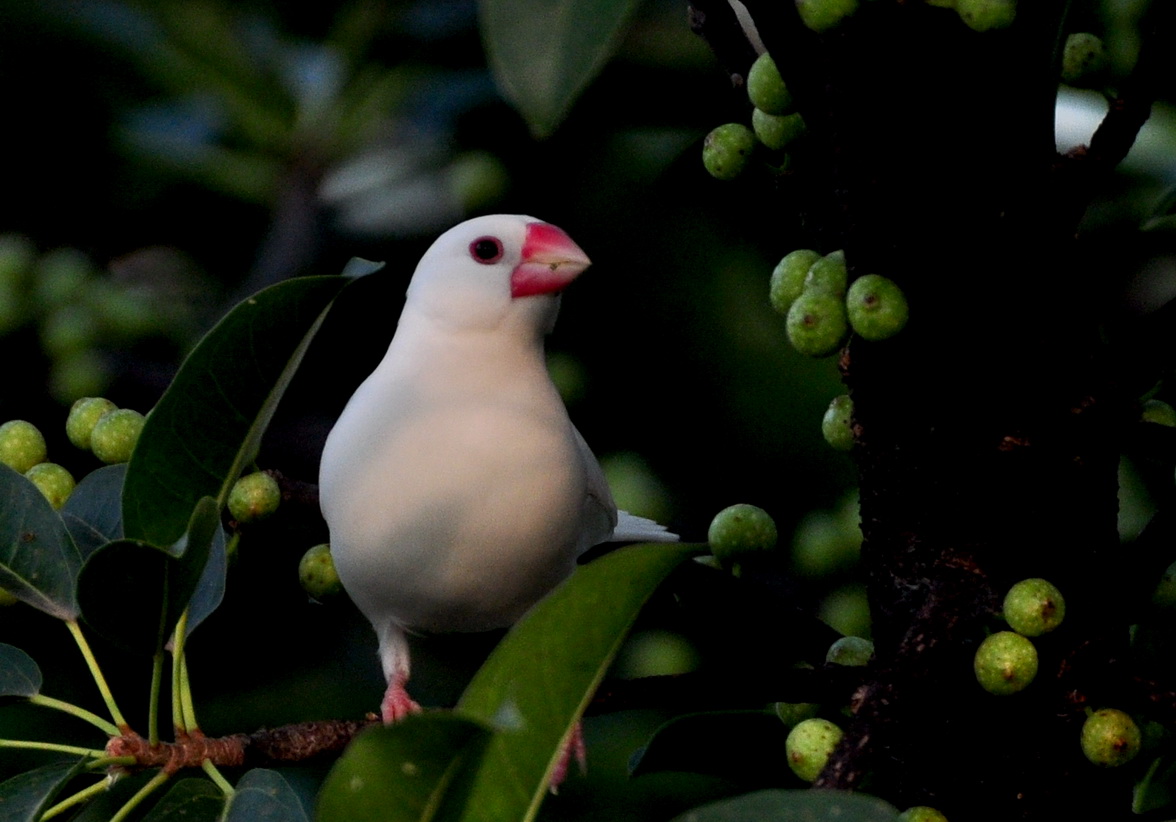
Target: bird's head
495, 270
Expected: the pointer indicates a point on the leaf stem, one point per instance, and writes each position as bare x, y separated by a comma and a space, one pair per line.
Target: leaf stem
143, 792
105, 725
153, 705
111, 762
184, 711
55, 747
96, 672
215, 775
84, 795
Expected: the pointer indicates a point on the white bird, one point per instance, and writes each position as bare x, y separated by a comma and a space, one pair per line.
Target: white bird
456, 489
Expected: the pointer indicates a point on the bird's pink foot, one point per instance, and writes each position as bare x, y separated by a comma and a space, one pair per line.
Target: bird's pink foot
397, 704
574, 746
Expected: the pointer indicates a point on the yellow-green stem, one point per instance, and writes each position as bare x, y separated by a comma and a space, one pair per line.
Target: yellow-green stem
96, 673
183, 711
55, 747
231, 548
153, 706
111, 762
143, 792
106, 726
215, 775
186, 703
84, 795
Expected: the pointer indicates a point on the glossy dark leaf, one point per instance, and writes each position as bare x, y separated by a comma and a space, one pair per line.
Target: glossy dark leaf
264, 796
207, 425
545, 52
747, 746
93, 512
210, 589
535, 685
39, 562
133, 592
189, 800
25, 796
795, 806
19, 674
417, 770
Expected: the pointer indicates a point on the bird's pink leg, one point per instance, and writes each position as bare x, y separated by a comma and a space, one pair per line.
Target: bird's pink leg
397, 704
573, 746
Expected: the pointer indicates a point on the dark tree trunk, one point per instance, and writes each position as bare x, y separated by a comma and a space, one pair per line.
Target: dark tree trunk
988, 432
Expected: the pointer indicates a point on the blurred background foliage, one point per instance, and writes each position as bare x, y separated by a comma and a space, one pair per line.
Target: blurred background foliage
165, 158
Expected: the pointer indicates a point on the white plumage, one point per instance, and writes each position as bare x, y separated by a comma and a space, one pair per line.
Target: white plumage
456, 489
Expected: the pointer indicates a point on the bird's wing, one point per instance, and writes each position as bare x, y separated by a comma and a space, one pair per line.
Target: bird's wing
603, 522
600, 511
632, 528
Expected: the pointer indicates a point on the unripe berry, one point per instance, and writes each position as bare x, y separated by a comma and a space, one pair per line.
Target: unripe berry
69, 328
316, 572
765, 87
1159, 412
726, 150
921, 813
254, 497
740, 531
1110, 738
876, 306
1005, 663
817, 324
61, 275
823, 15
983, 15
793, 713
16, 259
52, 480
17, 255
7, 599
21, 445
1083, 59
837, 424
477, 179
114, 435
776, 131
1034, 607
83, 416
809, 746
850, 650
788, 278
828, 274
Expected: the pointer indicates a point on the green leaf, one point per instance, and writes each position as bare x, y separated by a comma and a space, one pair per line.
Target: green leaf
730, 744
19, 674
539, 679
189, 800
408, 772
264, 796
39, 563
158, 583
210, 588
24, 797
545, 52
208, 423
93, 512
795, 806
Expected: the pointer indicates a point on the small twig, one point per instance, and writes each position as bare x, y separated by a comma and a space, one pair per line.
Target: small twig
290, 743
716, 23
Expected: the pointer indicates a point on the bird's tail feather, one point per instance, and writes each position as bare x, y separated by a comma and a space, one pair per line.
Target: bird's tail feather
632, 528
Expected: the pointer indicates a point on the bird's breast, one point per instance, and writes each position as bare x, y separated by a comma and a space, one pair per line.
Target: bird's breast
453, 515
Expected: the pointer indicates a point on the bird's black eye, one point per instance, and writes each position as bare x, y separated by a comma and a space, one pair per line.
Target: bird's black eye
486, 250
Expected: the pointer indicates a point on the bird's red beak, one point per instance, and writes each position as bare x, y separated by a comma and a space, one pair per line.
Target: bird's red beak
550, 261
